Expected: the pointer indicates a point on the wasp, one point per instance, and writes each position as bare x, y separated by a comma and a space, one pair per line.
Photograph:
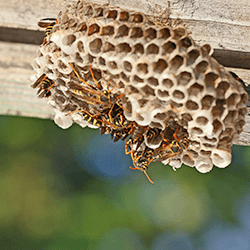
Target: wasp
171, 148
96, 120
141, 161
103, 96
44, 83
47, 23
137, 134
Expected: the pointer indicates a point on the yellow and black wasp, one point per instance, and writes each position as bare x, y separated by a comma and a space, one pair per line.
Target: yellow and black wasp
141, 160
98, 95
47, 23
171, 147
45, 84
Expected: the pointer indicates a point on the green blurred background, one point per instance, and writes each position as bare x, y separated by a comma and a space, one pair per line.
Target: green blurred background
73, 189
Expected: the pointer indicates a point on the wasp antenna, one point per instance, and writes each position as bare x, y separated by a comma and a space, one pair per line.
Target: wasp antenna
79, 110
93, 77
148, 177
189, 155
133, 168
145, 172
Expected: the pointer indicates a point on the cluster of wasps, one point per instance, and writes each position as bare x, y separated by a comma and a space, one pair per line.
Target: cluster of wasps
107, 113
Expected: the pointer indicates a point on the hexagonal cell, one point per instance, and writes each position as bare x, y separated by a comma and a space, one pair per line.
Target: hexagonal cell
98, 12
136, 17
162, 93
185, 43
164, 33
176, 63
150, 34
179, 32
187, 160
219, 108
168, 47
187, 117
233, 99
82, 26
207, 102
160, 116
221, 89
227, 132
204, 165
193, 153
102, 61
176, 105
244, 97
68, 39
62, 66
80, 46
123, 48
167, 83
130, 89
152, 49
107, 47
212, 140
122, 31
221, 158
155, 125
137, 80
159, 66
107, 30
231, 116
127, 66
184, 77
217, 126
153, 81
125, 77
78, 59
136, 32
178, 95
49, 60
142, 68
72, 23
93, 28
210, 79
138, 49
88, 10
205, 153
123, 16
192, 56
196, 131
95, 46
148, 90
201, 67
195, 89
206, 50
191, 105
111, 14
202, 120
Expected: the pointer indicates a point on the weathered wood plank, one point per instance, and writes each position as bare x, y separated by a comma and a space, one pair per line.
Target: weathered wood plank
16, 96
223, 24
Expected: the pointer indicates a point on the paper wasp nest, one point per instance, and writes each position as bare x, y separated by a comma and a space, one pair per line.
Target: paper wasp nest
165, 78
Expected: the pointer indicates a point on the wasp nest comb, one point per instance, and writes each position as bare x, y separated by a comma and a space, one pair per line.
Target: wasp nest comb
145, 82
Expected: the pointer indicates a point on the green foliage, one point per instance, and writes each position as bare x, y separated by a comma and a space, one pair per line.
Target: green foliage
48, 201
